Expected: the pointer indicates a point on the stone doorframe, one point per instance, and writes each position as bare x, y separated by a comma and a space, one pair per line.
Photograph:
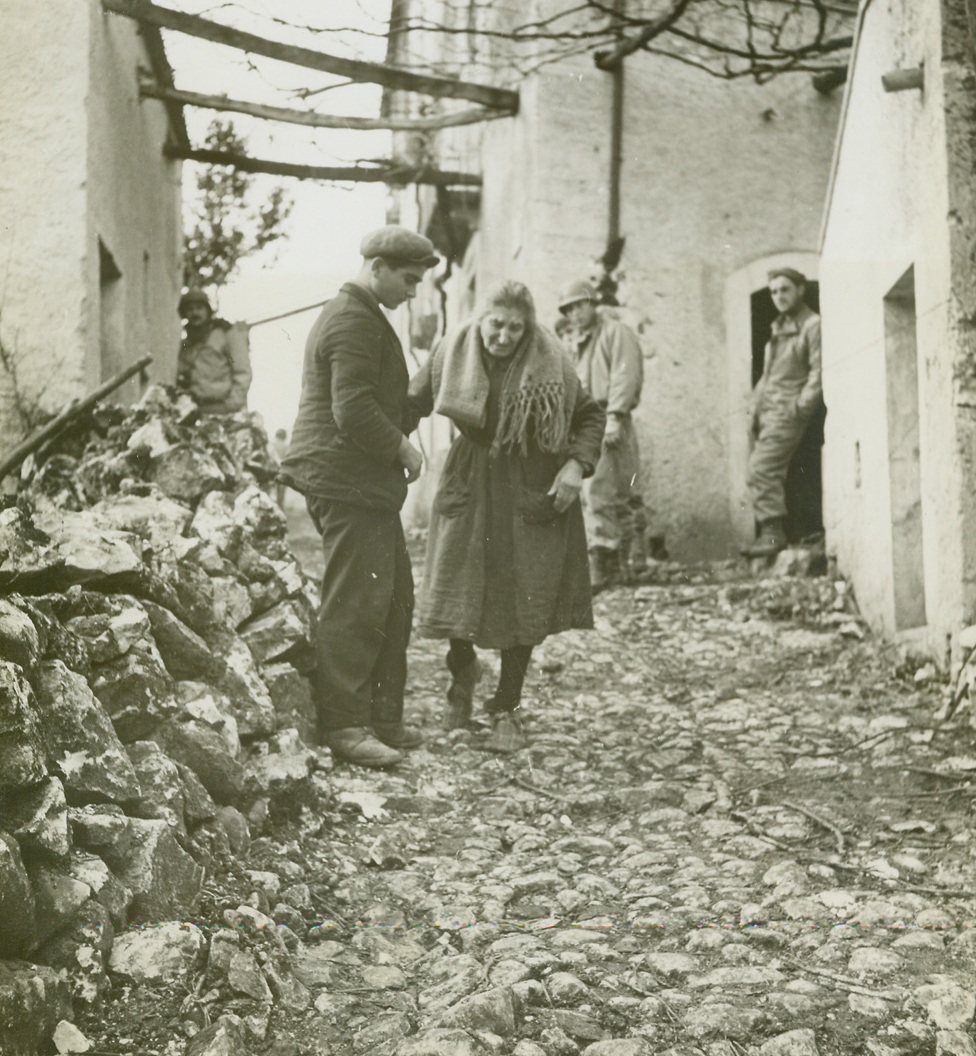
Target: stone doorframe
739, 288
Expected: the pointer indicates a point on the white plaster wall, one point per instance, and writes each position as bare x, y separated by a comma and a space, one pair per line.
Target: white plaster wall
80, 159
43, 78
887, 212
133, 205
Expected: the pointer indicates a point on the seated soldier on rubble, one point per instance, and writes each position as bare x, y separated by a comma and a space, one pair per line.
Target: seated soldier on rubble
214, 363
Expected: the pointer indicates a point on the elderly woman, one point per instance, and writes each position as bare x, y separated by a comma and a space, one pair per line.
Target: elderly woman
506, 552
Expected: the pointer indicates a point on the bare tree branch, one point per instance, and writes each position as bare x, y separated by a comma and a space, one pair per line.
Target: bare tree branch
725, 38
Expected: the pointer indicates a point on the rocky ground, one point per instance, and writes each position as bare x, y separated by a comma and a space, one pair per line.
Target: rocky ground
741, 827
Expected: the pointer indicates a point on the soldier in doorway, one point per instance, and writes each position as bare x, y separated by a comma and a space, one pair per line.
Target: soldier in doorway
610, 365
784, 400
214, 364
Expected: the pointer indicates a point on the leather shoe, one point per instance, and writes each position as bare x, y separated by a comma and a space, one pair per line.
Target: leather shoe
358, 744
398, 735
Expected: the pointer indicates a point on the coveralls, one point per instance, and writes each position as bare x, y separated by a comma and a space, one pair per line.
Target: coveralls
610, 365
783, 402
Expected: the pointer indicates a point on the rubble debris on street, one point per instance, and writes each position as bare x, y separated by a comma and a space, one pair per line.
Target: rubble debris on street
743, 825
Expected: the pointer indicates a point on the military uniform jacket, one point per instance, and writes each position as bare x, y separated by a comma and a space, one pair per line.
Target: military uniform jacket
215, 367
791, 379
611, 366
352, 414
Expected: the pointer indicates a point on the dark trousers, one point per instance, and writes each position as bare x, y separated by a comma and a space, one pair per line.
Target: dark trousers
364, 619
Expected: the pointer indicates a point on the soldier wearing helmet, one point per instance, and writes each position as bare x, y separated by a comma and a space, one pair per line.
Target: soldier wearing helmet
610, 365
214, 363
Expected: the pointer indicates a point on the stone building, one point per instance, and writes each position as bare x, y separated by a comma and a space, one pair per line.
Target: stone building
89, 205
899, 297
717, 181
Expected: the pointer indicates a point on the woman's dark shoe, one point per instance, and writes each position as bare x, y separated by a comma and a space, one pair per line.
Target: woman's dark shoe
506, 734
460, 695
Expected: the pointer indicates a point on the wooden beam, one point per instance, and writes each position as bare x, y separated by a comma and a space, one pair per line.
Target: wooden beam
827, 80
371, 72
314, 120
163, 73
390, 172
73, 410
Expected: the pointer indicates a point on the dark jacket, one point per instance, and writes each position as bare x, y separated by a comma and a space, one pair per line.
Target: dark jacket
352, 414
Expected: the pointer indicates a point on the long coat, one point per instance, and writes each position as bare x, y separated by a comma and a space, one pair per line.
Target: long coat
502, 567
352, 414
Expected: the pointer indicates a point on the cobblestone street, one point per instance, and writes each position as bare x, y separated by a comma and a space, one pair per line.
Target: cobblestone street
739, 828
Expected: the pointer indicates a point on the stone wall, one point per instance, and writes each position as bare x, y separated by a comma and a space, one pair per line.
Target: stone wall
155, 637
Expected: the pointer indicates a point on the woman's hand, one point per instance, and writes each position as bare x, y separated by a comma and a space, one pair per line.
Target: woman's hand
567, 485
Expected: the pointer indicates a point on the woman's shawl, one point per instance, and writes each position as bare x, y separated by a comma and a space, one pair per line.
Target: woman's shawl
538, 397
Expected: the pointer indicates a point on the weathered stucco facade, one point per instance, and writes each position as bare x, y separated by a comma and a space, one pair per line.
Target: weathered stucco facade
898, 296
718, 181
89, 206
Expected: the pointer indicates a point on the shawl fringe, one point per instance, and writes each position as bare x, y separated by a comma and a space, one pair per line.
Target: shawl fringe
535, 402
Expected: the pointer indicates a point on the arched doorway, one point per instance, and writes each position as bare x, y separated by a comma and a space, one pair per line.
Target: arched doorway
749, 312
804, 482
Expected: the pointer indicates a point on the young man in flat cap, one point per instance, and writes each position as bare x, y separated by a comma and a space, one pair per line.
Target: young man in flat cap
214, 364
783, 402
350, 456
610, 365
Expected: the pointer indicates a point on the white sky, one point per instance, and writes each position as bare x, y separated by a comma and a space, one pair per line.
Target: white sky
320, 250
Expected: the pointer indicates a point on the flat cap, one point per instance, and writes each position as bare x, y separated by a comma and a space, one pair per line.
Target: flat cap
397, 243
796, 277
577, 291
194, 296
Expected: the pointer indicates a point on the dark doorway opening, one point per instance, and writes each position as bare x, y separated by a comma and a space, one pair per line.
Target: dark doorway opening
804, 481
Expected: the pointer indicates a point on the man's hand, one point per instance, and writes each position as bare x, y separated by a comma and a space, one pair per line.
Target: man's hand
411, 460
611, 435
567, 485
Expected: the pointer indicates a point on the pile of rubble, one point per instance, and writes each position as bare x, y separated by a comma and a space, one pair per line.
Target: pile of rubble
155, 638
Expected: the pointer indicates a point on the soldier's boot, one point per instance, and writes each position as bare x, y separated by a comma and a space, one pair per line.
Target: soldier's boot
659, 548
772, 539
604, 568
624, 569
638, 556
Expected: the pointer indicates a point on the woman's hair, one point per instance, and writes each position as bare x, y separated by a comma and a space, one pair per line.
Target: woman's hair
510, 294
